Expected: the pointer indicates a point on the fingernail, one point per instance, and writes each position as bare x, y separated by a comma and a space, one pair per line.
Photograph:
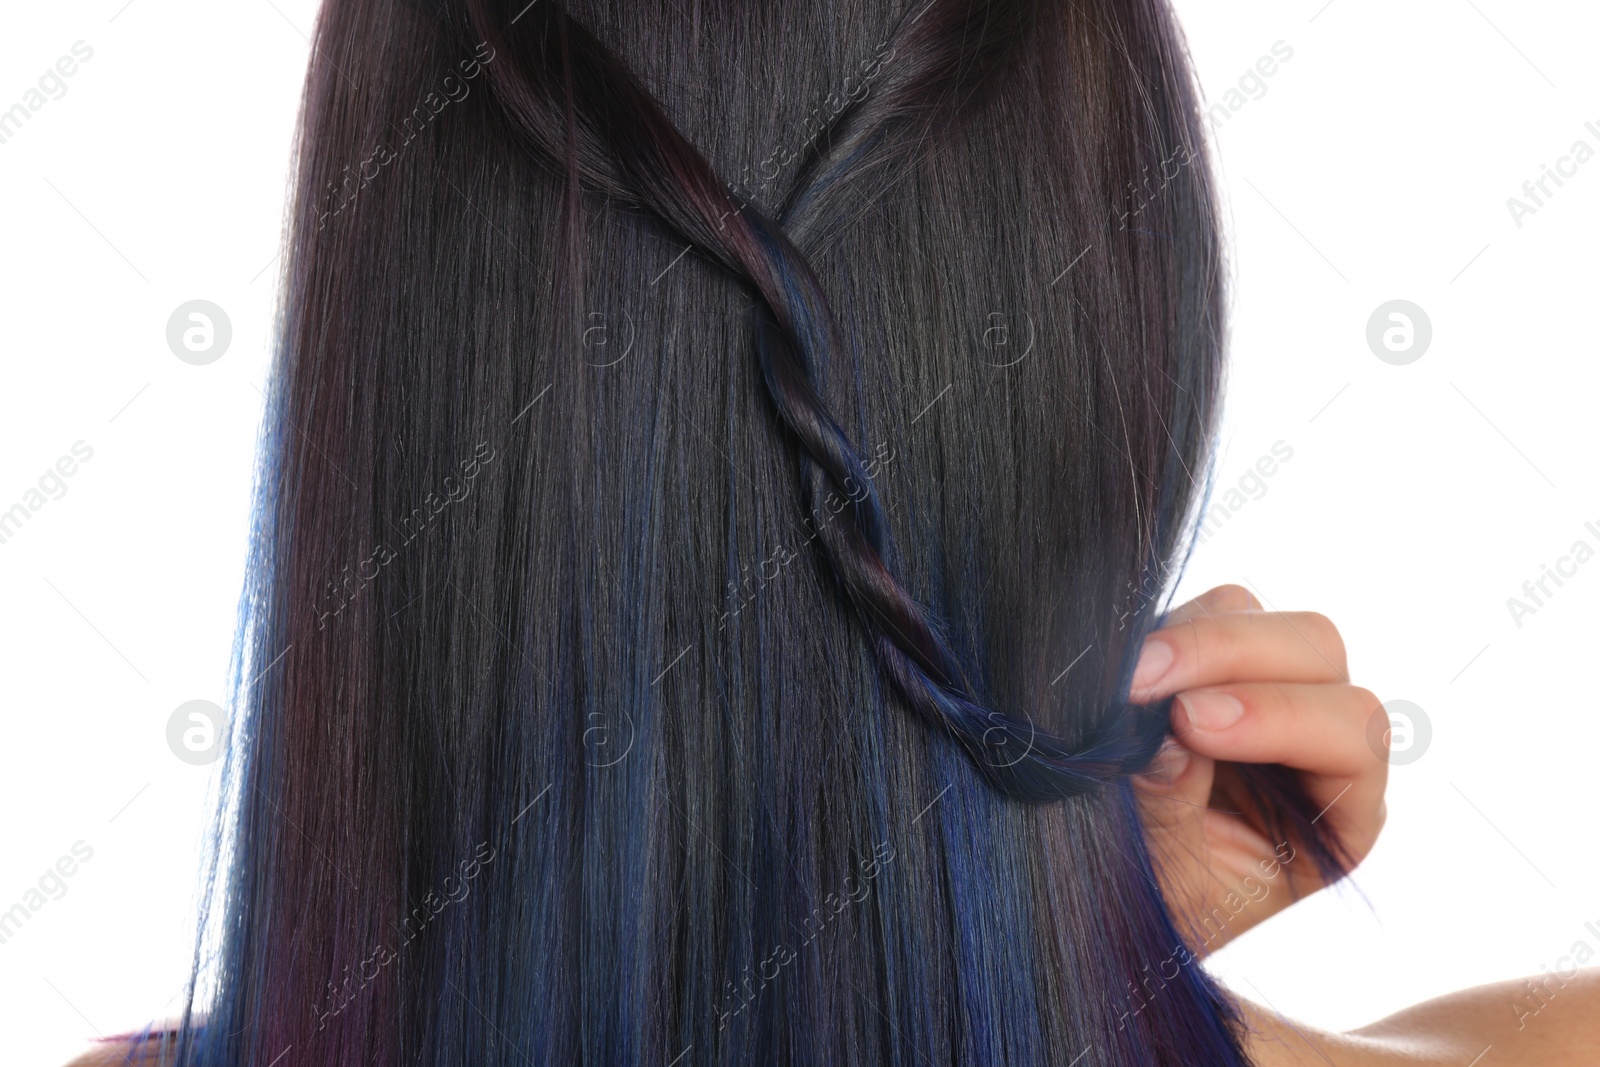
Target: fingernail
1153, 663
1210, 710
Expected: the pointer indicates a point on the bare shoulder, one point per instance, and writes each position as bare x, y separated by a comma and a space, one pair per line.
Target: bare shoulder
1549, 1021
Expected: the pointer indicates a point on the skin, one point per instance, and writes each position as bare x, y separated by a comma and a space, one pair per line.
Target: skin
1254, 686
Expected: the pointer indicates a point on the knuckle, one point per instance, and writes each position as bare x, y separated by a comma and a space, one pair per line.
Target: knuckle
1320, 623
1363, 702
1234, 597
1191, 635
1327, 634
1208, 643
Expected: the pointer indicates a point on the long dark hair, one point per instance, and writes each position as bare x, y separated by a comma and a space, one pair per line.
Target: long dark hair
720, 465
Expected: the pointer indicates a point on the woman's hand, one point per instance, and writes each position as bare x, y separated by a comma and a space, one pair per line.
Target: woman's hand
1252, 687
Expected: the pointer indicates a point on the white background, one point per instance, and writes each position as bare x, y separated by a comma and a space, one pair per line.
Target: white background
1376, 165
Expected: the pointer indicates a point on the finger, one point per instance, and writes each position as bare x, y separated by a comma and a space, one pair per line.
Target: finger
1177, 774
1351, 810
1316, 728
1217, 649
1173, 798
1223, 598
